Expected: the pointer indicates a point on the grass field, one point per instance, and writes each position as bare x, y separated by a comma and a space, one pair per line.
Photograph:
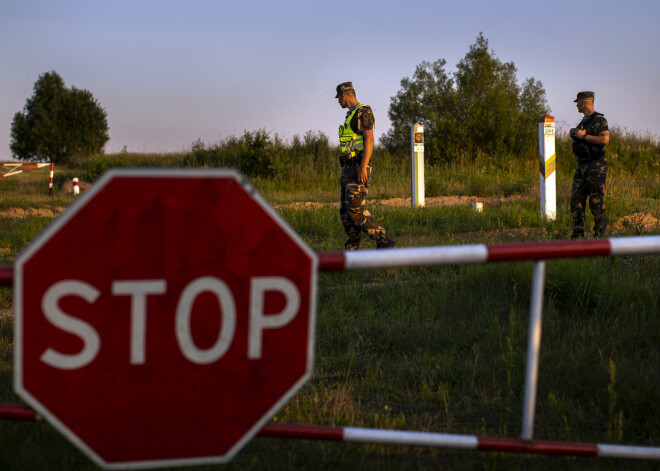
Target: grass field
434, 349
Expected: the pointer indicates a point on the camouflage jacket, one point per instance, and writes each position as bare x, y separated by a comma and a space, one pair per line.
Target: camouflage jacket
594, 124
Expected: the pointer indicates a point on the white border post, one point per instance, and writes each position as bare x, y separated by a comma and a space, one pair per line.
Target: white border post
417, 160
533, 349
547, 167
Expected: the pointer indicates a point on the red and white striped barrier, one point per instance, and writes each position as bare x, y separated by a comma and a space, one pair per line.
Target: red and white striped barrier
15, 169
453, 255
424, 439
14, 412
465, 442
469, 254
6, 276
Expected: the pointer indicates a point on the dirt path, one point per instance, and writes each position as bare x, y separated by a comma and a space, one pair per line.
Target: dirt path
20, 213
435, 201
643, 222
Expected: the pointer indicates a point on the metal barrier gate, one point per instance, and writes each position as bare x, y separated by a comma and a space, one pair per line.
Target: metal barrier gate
458, 255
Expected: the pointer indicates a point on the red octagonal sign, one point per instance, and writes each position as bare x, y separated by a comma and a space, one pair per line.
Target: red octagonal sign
163, 318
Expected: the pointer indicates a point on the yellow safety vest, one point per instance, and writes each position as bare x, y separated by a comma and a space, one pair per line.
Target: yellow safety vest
349, 141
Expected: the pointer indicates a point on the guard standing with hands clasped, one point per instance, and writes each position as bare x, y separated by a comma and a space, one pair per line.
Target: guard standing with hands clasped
356, 143
589, 140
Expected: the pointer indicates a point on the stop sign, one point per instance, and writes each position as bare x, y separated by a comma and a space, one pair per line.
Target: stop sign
164, 317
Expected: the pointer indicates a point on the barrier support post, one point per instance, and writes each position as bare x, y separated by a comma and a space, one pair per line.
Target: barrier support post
50, 183
533, 349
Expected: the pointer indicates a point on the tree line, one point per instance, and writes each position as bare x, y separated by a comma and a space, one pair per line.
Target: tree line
479, 112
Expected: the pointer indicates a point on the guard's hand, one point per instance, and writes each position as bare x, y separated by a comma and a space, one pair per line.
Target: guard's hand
363, 176
580, 133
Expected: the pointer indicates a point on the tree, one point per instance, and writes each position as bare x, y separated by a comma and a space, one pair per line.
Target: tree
58, 124
428, 99
478, 110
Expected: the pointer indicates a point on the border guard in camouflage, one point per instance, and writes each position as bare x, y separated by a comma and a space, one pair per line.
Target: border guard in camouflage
589, 140
356, 143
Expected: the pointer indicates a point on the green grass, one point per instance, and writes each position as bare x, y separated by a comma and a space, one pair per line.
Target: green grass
438, 349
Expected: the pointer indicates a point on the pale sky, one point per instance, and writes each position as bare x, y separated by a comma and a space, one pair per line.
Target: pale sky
171, 72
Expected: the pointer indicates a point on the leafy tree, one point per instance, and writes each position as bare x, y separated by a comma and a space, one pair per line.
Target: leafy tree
429, 98
58, 124
479, 109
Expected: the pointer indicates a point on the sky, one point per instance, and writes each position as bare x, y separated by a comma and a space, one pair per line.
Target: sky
171, 72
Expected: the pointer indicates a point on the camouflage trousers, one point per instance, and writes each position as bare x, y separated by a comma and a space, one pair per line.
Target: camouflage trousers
589, 182
354, 216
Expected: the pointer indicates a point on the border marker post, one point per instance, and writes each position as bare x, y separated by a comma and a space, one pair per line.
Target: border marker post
417, 160
547, 167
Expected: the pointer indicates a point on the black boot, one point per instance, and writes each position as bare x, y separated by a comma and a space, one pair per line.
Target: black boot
353, 243
386, 243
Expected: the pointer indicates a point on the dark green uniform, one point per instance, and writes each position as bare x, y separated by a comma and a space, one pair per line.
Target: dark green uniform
590, 177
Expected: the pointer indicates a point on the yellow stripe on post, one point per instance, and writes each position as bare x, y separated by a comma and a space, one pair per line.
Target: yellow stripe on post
550, 165
546, 168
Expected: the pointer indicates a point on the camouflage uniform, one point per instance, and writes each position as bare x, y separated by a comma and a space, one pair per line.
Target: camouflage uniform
590, 176
354, 216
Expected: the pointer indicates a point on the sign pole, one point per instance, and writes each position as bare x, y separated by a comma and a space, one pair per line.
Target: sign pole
417, 160
547, 167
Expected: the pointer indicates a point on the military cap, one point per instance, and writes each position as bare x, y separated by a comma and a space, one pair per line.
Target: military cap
585, 96
342, 87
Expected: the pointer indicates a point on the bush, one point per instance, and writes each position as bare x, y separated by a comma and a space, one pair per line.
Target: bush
256, 155
98, 164
251, 153
628, 151
310, 162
